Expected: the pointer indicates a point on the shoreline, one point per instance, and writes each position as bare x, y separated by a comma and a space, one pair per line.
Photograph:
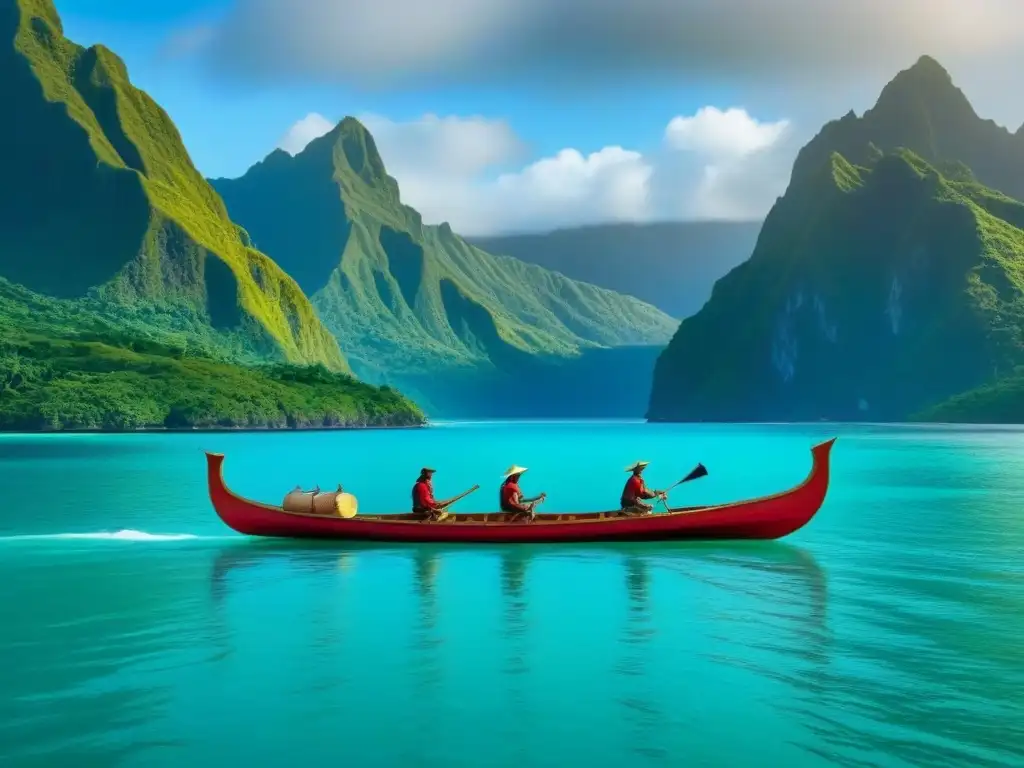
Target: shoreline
207, 430
441, 422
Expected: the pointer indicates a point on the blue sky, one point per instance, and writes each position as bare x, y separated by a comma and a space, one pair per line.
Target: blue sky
228, 127
648, 111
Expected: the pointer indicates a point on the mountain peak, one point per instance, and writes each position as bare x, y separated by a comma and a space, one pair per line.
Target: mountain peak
925, 86
351, 144
926, 65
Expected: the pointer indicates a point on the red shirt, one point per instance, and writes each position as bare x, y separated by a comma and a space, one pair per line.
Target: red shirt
509, 497
635, 489
423, 496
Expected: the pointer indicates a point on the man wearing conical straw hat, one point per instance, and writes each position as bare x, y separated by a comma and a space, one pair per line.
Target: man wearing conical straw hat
636, 491
511, 498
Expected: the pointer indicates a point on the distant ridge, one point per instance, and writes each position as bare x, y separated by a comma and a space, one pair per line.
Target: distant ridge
670, 264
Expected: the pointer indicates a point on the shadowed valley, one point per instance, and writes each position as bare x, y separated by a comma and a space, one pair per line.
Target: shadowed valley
417, 306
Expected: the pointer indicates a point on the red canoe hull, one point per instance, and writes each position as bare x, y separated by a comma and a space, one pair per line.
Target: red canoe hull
768, 517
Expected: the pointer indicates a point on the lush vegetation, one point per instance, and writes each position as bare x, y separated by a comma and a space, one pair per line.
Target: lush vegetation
74, 364
998, 402
99, 199
407, 299
103, 384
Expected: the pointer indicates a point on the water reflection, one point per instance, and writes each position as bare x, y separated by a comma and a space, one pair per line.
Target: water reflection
327, 621
242, 557
873, 691
515, 664
764, 610
778, 596
924, 632
426, 638
640, 708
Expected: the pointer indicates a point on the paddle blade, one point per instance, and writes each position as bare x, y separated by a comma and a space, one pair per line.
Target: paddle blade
698, 471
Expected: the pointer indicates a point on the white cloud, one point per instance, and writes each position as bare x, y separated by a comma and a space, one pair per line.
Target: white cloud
732, 133
714, 164
312, 126
743, 163
567, 189
458, 146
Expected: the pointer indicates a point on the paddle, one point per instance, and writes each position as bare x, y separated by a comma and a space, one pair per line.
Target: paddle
453, 499
696, 472
539, 499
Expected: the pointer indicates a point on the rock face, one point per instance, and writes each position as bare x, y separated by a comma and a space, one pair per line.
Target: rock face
99, 200
416, 305
886, 280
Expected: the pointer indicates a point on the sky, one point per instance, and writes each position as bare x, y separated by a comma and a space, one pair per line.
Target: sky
527, 115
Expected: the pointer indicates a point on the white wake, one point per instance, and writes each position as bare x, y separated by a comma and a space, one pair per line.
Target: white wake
123, 535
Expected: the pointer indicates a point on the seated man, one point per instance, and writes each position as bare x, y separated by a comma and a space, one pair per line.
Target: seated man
423, 501
636, 490
510, 497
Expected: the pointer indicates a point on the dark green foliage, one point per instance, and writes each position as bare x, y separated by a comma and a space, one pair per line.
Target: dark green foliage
73, 384
75, 364
999, 402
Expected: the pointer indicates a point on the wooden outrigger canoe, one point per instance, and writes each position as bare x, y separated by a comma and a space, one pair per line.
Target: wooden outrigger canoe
767, 517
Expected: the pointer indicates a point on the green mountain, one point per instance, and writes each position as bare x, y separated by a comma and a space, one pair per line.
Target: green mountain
414, 304
921, 109
874, 291
128, 298
99, 199
888, 279
672, 265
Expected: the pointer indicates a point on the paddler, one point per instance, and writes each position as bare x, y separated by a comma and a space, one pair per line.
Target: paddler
511, 498
423, 501
636, 491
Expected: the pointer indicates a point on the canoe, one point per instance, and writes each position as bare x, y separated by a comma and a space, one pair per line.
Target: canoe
767, 517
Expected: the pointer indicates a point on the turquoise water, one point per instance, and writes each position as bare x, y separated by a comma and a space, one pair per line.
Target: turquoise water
136, 630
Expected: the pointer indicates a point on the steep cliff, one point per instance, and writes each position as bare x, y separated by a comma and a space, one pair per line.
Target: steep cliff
873, 292
887, 279
99, 200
